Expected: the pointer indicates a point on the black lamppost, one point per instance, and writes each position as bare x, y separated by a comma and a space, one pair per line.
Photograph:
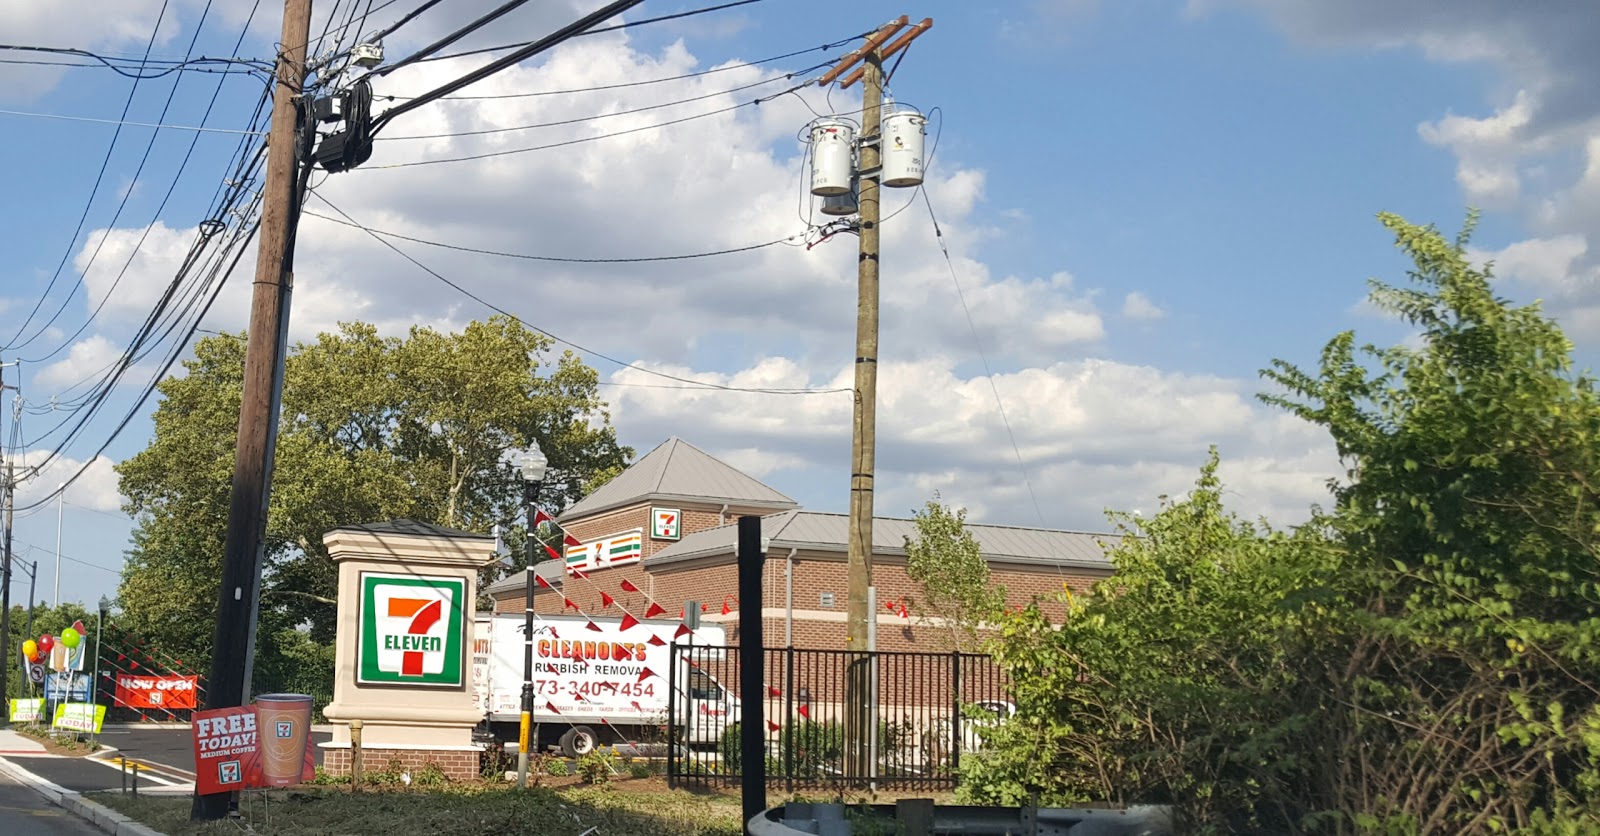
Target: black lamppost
534, 465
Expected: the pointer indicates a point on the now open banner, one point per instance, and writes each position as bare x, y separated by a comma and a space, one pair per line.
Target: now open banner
169, 692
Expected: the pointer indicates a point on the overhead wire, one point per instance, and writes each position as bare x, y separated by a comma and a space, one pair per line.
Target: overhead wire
598, 30
177, 176
198, 65
93, 191
559, 259
128, 123
564, 341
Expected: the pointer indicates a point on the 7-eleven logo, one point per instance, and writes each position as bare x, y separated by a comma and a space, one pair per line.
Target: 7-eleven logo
411, 630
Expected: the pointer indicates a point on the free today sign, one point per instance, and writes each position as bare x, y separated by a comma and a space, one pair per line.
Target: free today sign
412, 630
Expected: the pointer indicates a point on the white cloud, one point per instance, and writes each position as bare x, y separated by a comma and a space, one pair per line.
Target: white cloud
1545, 111
1136, 305
1093, 434
95, 489
85, 358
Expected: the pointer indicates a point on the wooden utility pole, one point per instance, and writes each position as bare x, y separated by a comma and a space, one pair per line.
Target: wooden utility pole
863, 443
263, 388
10, 487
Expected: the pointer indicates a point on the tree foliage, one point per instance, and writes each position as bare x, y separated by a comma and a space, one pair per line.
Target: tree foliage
1423, 659
948, 566
372, 428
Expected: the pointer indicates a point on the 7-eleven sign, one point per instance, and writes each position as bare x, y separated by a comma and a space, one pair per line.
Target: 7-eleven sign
411, 629
666, 523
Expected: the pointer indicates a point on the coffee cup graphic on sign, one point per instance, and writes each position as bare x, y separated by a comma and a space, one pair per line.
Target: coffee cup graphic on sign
284, 724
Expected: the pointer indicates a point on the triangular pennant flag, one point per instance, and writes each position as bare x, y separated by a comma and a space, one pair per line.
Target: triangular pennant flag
889, 605
566, 603
705, 608
804, 711
771, 726
655, 640
606, 600
903, 613
628, 621
627, 586
554, 555
593, 626
552, 707
540, 517
654, 610
682, 612
725, 609
579, 573
646, 674
683, 630
570, 540
636, 705
539, 579
693, 663
773, 692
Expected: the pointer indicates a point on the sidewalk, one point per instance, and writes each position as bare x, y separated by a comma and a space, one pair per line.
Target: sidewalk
16, 743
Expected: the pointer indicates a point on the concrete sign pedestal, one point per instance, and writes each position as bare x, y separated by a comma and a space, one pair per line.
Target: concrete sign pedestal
403, 655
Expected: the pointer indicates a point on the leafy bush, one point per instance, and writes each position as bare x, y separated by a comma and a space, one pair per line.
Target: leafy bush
641, 770
598, 766
494, 762
430, 775
558, 768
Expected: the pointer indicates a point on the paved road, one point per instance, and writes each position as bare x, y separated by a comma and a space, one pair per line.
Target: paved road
165, 758
24, 811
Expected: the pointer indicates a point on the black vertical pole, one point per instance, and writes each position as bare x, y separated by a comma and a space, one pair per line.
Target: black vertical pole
752, 653
955, 715
673, 707
788, 719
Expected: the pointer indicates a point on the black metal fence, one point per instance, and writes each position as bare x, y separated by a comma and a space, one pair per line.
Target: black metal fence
922, 712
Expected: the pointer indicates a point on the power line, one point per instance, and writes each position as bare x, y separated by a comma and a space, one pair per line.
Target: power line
988, 371
113, 63
126, 196
94, 190
557, 259
497, 309
70, 559
196, 128
409, 16
649, 81
741, 88
579, 140
596, 31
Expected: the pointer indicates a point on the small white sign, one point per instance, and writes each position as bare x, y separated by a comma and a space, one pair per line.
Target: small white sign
666, 523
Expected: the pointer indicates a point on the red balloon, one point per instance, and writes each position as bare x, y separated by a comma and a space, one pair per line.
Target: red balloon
46, 643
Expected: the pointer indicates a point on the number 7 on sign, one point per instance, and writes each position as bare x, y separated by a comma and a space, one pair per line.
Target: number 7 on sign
424, 613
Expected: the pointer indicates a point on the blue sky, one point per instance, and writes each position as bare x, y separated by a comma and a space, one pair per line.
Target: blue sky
1146, 202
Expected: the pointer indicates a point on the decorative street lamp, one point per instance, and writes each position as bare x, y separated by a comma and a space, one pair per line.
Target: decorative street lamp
94, 684
534, 465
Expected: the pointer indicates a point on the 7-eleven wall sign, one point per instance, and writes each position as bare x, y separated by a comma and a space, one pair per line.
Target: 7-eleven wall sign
666, 523
411, 629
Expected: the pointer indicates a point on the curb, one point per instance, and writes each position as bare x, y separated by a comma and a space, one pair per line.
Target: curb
100, 816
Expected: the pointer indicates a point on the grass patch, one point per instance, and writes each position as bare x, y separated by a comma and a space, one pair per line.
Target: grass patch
58, 742
475, 809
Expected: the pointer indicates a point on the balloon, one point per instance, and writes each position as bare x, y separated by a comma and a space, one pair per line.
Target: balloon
30, 649
46, 643
70, 638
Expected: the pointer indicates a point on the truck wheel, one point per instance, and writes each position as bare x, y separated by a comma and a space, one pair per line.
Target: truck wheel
579, 741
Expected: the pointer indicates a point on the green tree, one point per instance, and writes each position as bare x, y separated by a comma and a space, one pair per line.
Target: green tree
1174, 681
1469, 514
948, 567
372, 428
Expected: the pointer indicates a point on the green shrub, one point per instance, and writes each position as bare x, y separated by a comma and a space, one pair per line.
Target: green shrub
430, 775
597, 766
558, 768
641, 770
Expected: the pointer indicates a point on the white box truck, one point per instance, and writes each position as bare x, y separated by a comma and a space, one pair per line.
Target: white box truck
607, 686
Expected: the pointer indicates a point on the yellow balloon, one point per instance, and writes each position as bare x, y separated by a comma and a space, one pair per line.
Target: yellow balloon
30, 649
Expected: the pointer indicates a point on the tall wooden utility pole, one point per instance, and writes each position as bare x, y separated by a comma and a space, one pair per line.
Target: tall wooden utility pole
10, 488
863, 443
263, 388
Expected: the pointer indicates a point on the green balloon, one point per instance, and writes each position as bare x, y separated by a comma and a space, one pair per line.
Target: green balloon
70, 637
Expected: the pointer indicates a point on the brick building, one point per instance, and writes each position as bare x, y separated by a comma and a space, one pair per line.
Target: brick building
667, 525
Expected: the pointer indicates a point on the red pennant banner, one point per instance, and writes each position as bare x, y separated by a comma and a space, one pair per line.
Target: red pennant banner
627, 586
578, 573
682, 613
538, 579
655, 640
903, 613
552, 707
570, 540
804, 711
540, 517
725, 609
636, 705
683, 630
773, 692
593, 626
654, 610
566, 603
646, 674
606, 600
554, 555
888, 605
628, 621
771, 726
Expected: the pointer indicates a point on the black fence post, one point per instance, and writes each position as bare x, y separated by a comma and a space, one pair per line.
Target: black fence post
672, 716
752, 666
955, 715
788, 718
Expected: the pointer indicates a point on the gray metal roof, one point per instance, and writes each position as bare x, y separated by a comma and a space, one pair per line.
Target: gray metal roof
552, 571
414, 528
679, 471
816, 531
